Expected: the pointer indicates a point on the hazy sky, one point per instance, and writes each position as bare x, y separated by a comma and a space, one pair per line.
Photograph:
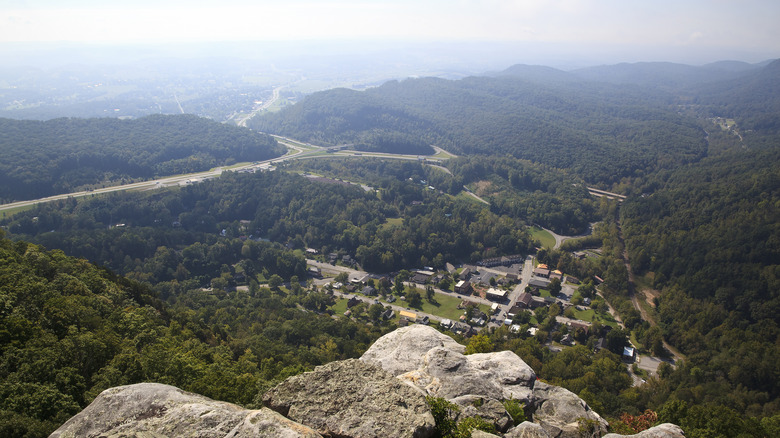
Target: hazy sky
749, 27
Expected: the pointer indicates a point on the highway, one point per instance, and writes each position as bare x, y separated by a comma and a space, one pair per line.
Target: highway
165, 181
309, 151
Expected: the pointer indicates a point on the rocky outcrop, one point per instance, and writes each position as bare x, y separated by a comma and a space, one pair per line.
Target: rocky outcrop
404, 350
527, 429
666, 430
156, 410
380, 395
352, 398
440, 368
481, 434
429, 360
559, 411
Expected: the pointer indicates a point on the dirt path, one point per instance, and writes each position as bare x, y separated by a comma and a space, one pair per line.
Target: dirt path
635, 299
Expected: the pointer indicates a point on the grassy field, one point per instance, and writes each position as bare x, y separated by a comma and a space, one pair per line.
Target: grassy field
547, 240
392, 222
447, 307
463, 196
585, 315
340, 307
12, 211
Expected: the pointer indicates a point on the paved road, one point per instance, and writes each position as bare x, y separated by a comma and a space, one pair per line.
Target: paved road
242, 121
525, 277
559, 239
474, 195
354, 274
162, 182
199, 176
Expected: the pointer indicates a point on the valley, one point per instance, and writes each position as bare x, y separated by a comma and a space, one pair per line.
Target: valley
222, 260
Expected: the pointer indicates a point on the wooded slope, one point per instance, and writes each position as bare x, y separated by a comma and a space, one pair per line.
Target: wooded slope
42, 158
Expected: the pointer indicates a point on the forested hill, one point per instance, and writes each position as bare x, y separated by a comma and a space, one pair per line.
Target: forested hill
69, 330
753, 101
603, 132
667, 75
42, 158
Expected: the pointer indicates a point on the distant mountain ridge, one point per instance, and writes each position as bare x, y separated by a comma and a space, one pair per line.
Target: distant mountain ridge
666, 75
603, 132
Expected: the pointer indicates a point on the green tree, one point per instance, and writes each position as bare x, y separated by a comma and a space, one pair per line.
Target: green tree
430, 294
479, 344
342, 277
295, 285
275, 282
375, 312
414, 298
555, 287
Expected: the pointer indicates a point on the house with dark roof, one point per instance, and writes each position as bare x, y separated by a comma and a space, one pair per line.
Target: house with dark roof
514, 311
525, 299
421, 277
539, 283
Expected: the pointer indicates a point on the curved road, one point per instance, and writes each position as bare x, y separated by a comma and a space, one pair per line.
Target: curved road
161, 182
559, 239
199, 176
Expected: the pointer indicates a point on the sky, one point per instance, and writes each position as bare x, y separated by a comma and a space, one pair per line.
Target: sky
723, 29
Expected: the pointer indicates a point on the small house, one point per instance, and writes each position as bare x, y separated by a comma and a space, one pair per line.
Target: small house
411, 316
514, 311
494, 294
629, 354
525, 300
463, 287
539, 283
541, 272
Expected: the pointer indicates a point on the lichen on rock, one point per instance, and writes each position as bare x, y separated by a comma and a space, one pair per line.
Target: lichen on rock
352, 398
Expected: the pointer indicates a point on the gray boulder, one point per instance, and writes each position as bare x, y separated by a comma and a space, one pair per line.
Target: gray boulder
666, 430
487, 408
156, 410
450, 374
559, 412
481, 434
527, 429
404, 349
352, 398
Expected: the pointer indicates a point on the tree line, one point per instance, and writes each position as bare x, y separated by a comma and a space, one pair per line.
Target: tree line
42, 158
